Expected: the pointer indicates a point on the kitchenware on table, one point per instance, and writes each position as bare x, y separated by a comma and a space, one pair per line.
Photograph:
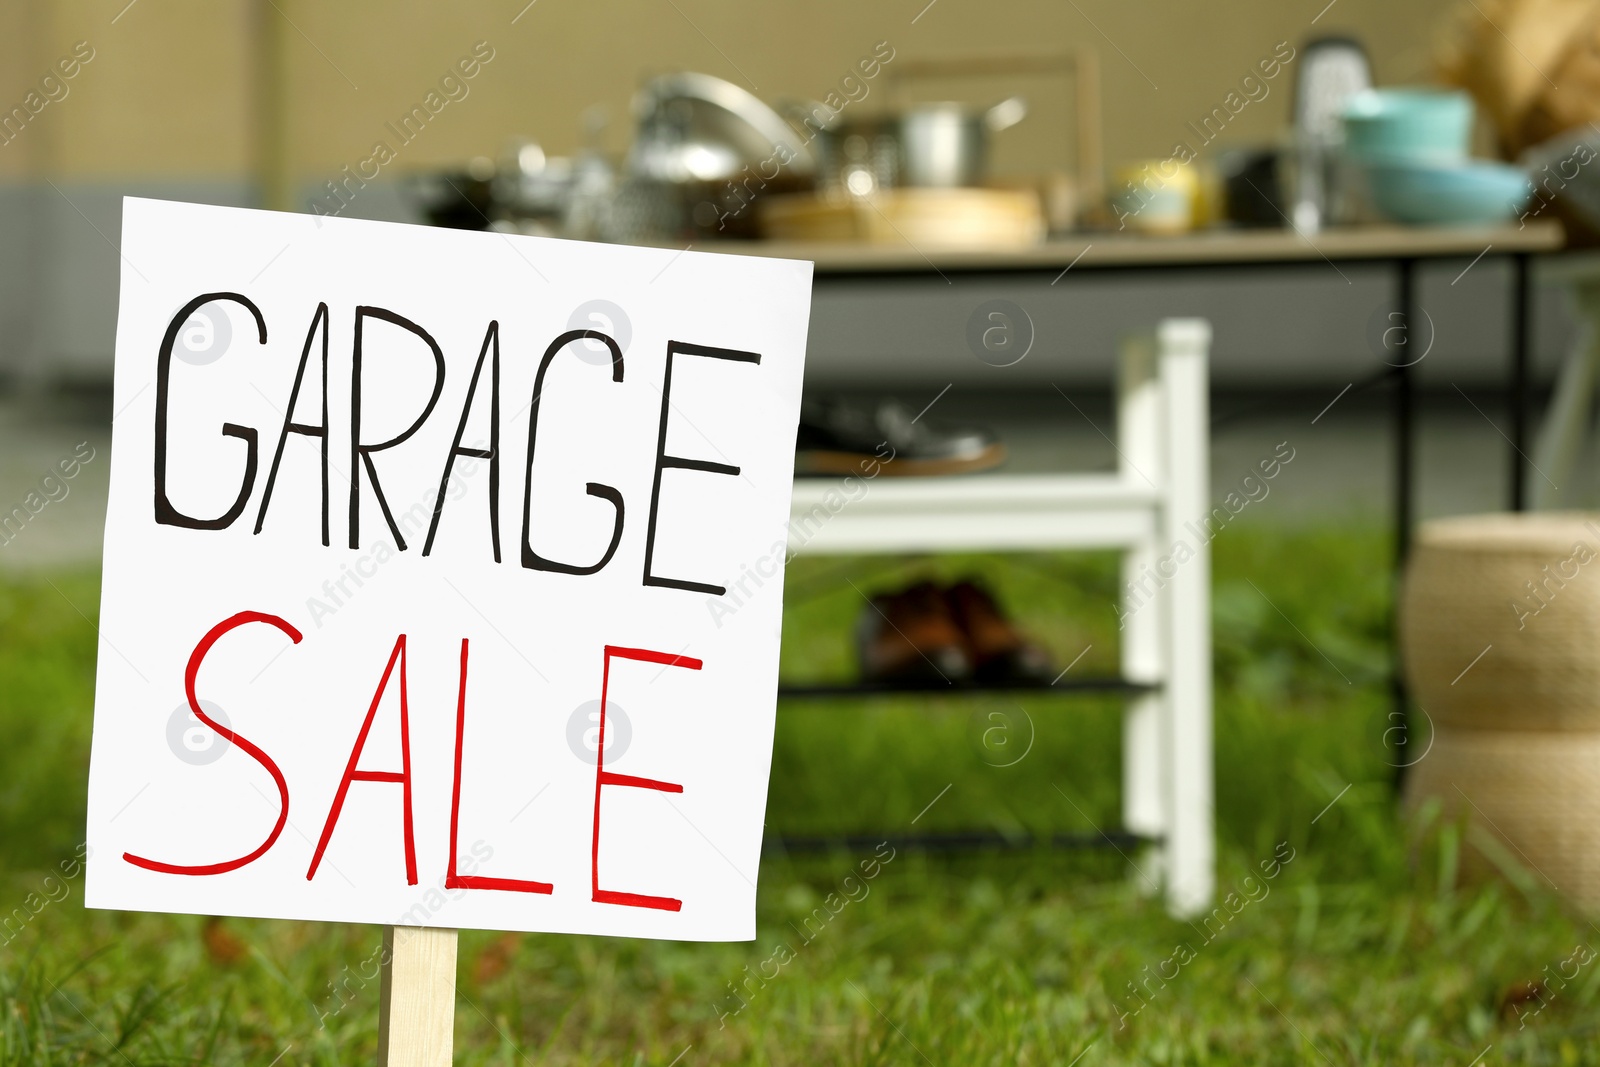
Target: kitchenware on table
694, 127
1397, 144
856, 154
1414, 123
645, 211
1441, 193
1331, 70
938, 146
594, 182
1060, 198
1156, 197
461, 198
946, 145
1251, 193
713, 148
1412, 143
1078, 68
923, 218
532, 189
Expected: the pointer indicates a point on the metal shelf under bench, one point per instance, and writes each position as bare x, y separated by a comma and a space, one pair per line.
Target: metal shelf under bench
1155, 501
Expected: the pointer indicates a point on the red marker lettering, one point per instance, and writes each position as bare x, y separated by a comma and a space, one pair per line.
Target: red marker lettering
603, 777
452, 880
195, 659
403, 776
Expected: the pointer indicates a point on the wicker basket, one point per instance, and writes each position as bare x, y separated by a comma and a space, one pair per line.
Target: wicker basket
1500, 622
1512, 53
1535, 790
1576, 70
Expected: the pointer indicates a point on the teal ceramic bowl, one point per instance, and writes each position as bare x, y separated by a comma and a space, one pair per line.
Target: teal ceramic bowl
1415, 124
1461, 193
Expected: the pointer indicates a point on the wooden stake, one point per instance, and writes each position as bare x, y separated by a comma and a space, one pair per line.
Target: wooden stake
417, 1006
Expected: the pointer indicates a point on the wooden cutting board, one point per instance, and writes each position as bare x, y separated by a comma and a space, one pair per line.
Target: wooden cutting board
936, 218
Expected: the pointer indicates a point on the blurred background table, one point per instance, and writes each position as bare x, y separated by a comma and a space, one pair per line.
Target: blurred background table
1398, 249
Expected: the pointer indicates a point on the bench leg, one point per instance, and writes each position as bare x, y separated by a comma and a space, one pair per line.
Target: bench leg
1189, 844
1566, 423
1140, 412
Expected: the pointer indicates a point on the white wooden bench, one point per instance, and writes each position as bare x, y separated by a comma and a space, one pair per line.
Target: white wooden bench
1157, 500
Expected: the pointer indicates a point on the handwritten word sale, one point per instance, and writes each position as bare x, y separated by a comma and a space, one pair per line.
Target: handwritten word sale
454, 878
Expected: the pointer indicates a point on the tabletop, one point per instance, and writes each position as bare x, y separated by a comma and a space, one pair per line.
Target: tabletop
1116, 250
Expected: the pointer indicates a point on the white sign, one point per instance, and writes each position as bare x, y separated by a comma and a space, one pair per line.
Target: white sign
440, 584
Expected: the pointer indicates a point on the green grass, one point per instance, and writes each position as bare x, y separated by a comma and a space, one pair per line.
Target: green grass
1364, 948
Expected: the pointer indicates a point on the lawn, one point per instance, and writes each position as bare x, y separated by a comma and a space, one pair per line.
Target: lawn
1350, 939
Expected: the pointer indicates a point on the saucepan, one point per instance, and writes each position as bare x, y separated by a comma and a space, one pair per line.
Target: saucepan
939, 145
947, 144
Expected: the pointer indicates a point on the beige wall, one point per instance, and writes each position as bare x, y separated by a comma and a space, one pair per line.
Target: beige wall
166, 93
172, 91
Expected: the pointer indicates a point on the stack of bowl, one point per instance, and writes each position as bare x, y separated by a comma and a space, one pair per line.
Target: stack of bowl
1412, 144
1500, 641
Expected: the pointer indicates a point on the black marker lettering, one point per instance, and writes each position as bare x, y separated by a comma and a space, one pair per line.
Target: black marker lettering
663, 461
166, 514
530, 558
491, 342
290, 426
360, 454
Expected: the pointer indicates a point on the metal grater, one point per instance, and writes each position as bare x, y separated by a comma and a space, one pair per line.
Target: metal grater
1332, 69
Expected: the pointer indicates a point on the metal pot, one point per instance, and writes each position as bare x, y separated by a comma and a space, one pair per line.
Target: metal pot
703, 151
859, 155
947, 144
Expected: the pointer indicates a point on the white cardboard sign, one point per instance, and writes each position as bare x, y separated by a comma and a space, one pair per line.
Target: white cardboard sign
440, 582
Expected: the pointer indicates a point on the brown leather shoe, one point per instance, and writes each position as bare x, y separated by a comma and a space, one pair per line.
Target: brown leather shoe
910, 638
997, 650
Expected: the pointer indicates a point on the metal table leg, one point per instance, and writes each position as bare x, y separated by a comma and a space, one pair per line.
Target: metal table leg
1404, 410
1404, 504
1520, 331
